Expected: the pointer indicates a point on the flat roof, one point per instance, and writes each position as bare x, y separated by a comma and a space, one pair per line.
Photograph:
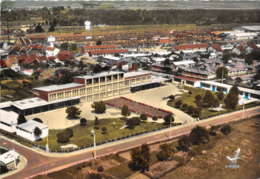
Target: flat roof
8, 117
37, 102
229, 86
154, 80
112, 58
6, 104
158, 59
102, 74
9, 157
136, 55
135, 73
184, 62
30, 125
58, 87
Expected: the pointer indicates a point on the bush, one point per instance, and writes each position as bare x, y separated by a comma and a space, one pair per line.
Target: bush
194, 152
104, 130
134, 121
99, 107
184, 143
83, 121
190, 92
63, 137
171, 97
96, 122
220, 96
166, 152
155, 118
168, 119
94, 176
69, 131
190, 109
198, 97
143, 117
37, 119
100, 169
226, 129
197, 112
184, 106
178, 104
199, 135
125, 111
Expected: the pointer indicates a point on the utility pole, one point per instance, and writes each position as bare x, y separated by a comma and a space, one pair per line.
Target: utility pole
94, 142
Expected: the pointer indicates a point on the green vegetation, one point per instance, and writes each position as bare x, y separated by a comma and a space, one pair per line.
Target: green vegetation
125, 111
21, 119
73, 112
232, 98
37, 132
140, 158
166, 152
82, 136
99, 107
195, 104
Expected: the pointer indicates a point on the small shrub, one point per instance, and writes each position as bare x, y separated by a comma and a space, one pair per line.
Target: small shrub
226, 129
184, 106
143, 117
63, 137
96, 122
94, 176
172, 97
198, 97
100, 169
69, 131
104, 130
83, 121
190, 109
178, 104
96, 127
194, 152
155, 118
190, 92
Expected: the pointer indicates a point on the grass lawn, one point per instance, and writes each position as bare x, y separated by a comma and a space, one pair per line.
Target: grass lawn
189, 99
83, 137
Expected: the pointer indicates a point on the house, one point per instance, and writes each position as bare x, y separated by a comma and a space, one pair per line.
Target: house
105, 52
26, 130
51, 51
245, 78
251, 47
86, 49
238, 50
9, 159
22, 41
8, 120
12, 63
28, 72
65, 55
214, 48
184, 80
199, 73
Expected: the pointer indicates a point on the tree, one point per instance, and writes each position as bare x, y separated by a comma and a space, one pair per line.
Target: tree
184, 143
117, 55
104, 130
37, 132
232, 98
64, 46
184, 106
63, 137
166, 152
134, 121
21, 119
199, 135
94, 176
99, 107
168, 119
37, 119
141, 158
73, 112
198, 97
52, 28
178, 104
215, 103
220, 96
96, 122
221, 71
208, 98
125, 111
167, 62
143, 117
190, 109
97, 69
155, 118
226, 57
73, 47
99, 42
38, 28
172, 97
226, 129
83, 121
238, 80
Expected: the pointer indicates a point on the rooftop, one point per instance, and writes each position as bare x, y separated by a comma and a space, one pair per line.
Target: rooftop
102, 74
187, 62
29, 103
154, 80
135, 73
58, 87
8, 117
9, 157
185, 78
30, 125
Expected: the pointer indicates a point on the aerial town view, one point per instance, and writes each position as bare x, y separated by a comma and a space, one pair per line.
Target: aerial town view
130, 89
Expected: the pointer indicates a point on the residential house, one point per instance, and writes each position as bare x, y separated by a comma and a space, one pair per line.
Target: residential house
215, 48
12, 63
239, 50
191, 47
251, 47
51, 51
200, 72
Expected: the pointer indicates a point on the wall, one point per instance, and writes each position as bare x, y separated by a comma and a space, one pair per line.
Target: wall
30, 136
8, 128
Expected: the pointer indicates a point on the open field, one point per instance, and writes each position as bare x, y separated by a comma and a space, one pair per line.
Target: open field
210, 162
83, 136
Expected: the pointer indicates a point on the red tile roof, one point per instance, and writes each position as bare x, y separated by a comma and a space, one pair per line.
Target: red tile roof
94, 47
254, 46
242, 49
50, 48
190, 46
51, 58
217, 47
64, 55
42, 58
111, 51
185, 78
2, 63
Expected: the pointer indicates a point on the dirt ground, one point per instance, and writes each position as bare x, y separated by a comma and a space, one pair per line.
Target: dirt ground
212, 163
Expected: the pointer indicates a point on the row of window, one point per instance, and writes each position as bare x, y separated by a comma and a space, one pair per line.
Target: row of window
104, 79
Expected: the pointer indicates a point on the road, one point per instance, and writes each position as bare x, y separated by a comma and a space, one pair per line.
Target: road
42, 164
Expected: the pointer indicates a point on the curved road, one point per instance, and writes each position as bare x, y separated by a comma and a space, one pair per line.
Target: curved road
39, 163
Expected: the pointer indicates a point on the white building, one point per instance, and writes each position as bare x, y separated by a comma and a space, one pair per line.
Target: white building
26, 130
9, 159
8, 120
